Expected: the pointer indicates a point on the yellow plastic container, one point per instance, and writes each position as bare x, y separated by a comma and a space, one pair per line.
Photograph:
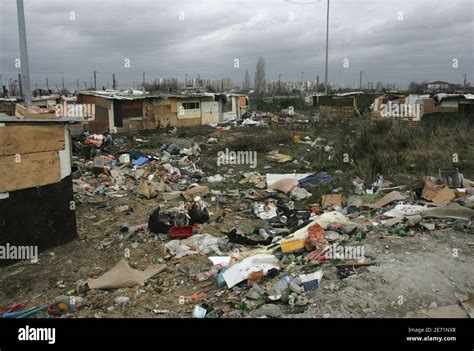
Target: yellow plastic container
291, 245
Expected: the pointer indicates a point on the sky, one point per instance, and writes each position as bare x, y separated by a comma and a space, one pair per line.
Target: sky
390, 41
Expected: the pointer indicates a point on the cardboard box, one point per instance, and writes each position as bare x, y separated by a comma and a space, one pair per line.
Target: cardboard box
460, 192
98, 165
311, 281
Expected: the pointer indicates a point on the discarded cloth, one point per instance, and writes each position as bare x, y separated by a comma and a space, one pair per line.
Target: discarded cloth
453, 210
315, 179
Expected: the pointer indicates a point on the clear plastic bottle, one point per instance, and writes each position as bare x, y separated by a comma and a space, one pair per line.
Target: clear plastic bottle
281, 286
263, 234
203, 276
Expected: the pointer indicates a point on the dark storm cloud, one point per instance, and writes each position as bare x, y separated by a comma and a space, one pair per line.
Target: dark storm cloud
291, 37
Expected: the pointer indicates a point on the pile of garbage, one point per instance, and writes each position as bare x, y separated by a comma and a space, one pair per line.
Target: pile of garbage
272, 269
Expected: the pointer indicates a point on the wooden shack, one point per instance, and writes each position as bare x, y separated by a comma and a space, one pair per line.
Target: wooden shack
36, 196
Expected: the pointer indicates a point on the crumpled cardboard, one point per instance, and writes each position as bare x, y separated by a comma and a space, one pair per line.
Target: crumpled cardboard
331, 200
439, 195
123, 276
387, 199
151, 190
198, 190
254, 178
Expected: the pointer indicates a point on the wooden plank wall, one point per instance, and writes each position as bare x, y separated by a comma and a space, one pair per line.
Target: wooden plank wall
30, 138
29, 155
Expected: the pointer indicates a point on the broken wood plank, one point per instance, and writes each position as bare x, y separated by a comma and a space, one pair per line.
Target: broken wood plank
355, 264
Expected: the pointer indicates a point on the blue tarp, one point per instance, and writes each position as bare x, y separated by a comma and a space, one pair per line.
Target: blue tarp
141, 161
315, 179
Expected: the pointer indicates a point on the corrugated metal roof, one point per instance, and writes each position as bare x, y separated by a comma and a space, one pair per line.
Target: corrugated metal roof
114, 95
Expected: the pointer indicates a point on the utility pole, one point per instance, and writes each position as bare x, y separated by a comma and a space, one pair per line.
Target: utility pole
25, 71
47, 84
4, 87
95, 80
20, 84
279, 83
113, 82
360, 80
465, 80
77, 83
327, 49
62, 81
317, 84
143, 79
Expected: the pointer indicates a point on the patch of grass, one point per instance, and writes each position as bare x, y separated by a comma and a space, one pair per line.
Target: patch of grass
194, 131
263, 142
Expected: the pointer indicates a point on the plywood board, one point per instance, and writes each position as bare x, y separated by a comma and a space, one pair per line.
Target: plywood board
23, 139
31, 171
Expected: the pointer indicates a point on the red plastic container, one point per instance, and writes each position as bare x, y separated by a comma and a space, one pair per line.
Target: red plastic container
181, 232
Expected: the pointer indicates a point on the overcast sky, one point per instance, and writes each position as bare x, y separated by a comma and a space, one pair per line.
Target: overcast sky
391, 41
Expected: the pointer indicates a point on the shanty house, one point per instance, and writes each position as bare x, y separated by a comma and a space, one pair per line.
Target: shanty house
234, 106
341, 105
36, 193
124, 112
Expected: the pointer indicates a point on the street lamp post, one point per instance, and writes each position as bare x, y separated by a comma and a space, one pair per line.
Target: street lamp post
327, 50
25, 72
327, 37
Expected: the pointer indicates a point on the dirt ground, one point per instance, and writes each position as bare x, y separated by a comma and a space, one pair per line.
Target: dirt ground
424, 269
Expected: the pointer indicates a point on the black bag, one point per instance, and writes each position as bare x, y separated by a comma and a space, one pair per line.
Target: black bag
159, 223
198, 215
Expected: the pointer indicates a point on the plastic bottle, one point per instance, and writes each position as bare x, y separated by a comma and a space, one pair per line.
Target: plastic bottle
203, 276
138, 228
264, 235
282, 286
